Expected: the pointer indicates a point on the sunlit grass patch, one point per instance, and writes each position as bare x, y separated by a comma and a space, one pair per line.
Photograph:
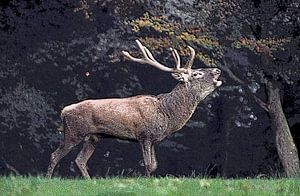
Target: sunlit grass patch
18, 185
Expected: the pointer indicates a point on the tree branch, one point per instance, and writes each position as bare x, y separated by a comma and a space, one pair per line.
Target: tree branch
260, 102
231, 74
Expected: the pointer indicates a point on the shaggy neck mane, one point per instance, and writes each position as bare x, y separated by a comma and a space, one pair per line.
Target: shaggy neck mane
178, 106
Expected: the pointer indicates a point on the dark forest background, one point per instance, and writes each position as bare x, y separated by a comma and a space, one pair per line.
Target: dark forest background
54, 53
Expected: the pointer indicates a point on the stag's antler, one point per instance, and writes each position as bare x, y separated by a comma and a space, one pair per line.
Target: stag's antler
189, 64
149, 59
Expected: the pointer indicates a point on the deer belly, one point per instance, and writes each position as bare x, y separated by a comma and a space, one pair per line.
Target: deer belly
117, 129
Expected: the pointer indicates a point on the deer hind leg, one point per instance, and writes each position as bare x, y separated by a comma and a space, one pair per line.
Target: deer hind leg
59, 153
85, 154
72, 126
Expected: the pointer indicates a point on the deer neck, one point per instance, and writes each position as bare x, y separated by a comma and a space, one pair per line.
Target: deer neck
179, 105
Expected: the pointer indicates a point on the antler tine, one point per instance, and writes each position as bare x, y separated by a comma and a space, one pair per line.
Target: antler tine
176, 57
143, 49
149, 59
149, 54
190, 62
125, 53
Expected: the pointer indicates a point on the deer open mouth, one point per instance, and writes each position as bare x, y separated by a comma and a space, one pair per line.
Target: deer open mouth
217, 74
217, 82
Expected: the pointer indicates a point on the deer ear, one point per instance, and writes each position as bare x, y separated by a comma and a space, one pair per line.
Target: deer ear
182, 77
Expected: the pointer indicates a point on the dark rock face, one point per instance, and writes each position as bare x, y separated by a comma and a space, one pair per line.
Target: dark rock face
55, 53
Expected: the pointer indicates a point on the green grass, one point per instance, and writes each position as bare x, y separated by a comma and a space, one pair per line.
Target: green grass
17, 185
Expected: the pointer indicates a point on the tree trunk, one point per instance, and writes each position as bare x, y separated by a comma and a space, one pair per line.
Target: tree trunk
286, 147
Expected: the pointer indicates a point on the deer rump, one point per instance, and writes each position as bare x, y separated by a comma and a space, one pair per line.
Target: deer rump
122, 118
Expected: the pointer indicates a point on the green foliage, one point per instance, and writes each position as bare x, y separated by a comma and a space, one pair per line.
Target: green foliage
158, 23
27, 107
148, 186
263, 46
85, 8
176, 35
234, 26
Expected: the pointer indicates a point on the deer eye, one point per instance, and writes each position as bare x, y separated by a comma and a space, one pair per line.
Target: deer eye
198, 74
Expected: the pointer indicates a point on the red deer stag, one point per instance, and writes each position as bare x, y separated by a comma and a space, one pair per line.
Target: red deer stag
146, 119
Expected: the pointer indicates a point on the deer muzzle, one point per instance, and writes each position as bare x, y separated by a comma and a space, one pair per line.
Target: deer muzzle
216, 74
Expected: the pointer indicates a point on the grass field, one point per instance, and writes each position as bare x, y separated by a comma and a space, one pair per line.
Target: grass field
16, 185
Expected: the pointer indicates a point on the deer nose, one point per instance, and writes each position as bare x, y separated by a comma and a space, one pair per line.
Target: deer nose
216, 71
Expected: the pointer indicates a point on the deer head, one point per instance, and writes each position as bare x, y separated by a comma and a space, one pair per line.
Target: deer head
206, 77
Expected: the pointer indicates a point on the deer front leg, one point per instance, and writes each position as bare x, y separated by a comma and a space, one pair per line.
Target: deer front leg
147, 155
153, 159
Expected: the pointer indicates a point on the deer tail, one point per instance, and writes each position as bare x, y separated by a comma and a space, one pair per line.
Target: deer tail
61, 128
